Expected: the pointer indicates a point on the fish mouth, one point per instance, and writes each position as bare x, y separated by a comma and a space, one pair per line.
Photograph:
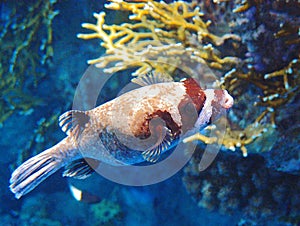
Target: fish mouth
228, 100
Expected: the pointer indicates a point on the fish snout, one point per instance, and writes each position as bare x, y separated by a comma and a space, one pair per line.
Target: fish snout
228, 100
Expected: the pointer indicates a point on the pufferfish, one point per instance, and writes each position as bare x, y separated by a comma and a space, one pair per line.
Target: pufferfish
137, 126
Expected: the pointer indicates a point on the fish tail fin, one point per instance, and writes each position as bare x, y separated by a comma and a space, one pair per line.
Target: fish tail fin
36, 169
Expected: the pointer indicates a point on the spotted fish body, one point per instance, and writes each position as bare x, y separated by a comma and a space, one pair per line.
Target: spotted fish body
137, 126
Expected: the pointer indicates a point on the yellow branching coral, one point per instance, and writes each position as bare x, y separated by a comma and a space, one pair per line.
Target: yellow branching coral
244, 5
180, 15
162, 37
165, 36
279, 88
235, 139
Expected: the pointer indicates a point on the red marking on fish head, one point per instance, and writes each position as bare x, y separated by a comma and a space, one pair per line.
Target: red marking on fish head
191, 104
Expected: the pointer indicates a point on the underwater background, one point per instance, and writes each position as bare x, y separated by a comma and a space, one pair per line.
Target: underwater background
251, 47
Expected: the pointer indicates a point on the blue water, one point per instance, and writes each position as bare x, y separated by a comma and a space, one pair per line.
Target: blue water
262, 189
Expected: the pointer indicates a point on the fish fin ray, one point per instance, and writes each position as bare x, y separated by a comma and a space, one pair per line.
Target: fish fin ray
32, 172
81, 168
152, 78
73, 122
152, 155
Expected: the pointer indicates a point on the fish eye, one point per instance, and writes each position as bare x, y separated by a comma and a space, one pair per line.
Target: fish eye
226, 100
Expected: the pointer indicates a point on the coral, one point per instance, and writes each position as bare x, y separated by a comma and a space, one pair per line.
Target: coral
165, 36
162, 37
36, 142
239, 139
273, 78
270, 24
105, 211
33, 213
246, 186
26, 45
244, 5
278, 87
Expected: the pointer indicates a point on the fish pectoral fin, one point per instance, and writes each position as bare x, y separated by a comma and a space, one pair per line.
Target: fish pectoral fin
73, 122
81, 168
151, 78
153, 154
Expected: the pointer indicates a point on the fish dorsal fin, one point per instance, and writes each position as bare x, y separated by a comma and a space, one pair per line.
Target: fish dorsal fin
153, 154
81, 168
151, 78
73, 122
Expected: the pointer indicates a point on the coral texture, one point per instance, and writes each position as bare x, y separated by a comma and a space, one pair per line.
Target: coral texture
160, 36
179, 35
26, 49
232, 184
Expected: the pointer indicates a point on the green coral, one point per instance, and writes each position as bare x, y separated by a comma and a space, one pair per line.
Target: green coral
35, 144
105, 211
34, 214
25, 44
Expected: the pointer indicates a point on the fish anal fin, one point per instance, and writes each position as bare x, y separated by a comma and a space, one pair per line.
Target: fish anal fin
151, 78
73, 122
81, 168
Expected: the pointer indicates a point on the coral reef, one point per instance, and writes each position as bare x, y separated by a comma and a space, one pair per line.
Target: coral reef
26, 47
273, 78
231, 185
165, 37
105, 211
252, 47
265, 117
35, 143
232, 140
278, 88
32, 212
160, 36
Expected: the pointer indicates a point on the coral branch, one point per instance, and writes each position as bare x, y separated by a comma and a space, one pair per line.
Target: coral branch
170, 33
26, 44
278, 87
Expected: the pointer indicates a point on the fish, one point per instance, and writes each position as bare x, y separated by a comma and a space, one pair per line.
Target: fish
83, 195
135, 127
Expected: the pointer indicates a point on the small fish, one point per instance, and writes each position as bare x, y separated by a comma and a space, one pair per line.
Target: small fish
135, 127
83, 196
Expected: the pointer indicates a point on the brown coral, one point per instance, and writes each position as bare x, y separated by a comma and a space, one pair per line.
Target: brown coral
278, 88
233, 185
